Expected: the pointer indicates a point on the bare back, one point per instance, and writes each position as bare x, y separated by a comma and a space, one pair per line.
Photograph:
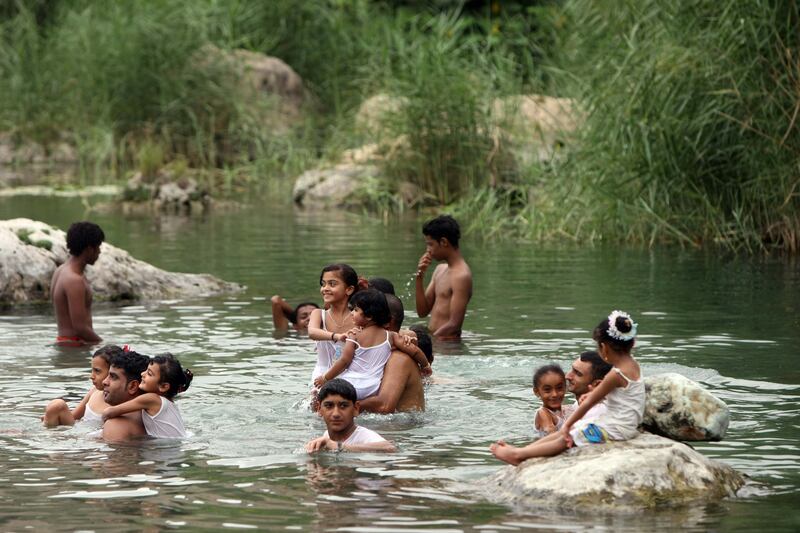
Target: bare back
413, 396
72, 303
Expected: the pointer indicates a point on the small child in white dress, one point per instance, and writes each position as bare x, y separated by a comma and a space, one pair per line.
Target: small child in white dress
90, 408
163, 379
365, 354
549, 385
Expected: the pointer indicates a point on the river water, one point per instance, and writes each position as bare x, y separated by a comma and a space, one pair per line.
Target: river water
730, 323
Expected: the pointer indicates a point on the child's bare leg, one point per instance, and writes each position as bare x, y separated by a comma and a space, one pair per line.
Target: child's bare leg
57, 413
548, 446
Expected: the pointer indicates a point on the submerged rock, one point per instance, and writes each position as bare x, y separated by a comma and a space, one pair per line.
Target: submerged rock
644, 472
678, 408
30, 251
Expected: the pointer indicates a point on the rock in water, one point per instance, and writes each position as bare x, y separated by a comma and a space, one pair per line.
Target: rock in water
678, 408
640, 473
30, 251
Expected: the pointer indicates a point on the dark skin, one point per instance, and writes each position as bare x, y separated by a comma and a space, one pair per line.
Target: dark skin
72, 297
117, 389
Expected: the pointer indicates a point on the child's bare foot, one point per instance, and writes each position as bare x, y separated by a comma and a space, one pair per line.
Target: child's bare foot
504, 452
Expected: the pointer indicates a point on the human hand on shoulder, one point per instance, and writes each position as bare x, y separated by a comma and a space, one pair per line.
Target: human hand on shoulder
110, 412
426, 370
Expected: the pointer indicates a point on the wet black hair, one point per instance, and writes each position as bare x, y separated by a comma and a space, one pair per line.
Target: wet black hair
372, 303
132, 363
424, 341
173, 374
544, 370
346, 273
82, 235
624, 325
293, 315
599, 367
382, 284
396, 311
337, 386
107, 352
443, 226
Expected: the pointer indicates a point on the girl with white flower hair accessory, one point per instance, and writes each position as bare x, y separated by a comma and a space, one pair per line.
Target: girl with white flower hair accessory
622, 390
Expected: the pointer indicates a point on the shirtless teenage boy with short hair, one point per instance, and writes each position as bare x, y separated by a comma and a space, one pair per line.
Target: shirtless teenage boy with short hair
450, 288
70, 290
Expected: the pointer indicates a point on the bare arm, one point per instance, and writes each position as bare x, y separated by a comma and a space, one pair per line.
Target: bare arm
281, 311
393, 384
462, 292
326, 443
424, 297
411, 350
80, 410
150, 402
75, 290
609, 383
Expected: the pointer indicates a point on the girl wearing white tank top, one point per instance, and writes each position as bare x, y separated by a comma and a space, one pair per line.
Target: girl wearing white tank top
622, 389
365, 352
163, 379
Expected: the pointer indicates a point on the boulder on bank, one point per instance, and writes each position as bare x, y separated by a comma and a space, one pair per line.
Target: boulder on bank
332, 187
640, 473
168, 191
30, 251
680, 409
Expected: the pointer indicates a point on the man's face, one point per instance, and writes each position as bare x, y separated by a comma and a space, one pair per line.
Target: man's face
304, 316
115, 386
434, 247
338, 413
579, 377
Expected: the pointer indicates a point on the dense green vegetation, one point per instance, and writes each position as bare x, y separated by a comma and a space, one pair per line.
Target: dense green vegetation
689, 127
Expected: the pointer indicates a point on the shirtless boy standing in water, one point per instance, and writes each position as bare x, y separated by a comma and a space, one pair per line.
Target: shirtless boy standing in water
450, 288
70, 290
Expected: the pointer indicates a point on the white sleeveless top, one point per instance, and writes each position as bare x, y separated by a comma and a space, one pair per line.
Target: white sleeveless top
167, 422
625, 409
90, 417
366, 370
328, 352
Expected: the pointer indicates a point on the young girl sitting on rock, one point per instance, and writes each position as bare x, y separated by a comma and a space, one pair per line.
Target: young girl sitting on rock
622, 389
549, 385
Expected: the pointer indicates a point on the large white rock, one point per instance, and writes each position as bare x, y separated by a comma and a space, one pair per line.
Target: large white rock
640, 473
26, 269
678, 408
334, 186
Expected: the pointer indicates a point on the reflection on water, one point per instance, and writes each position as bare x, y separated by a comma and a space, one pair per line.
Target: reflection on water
731, 324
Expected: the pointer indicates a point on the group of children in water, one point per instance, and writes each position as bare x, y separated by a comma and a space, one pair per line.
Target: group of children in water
353, 343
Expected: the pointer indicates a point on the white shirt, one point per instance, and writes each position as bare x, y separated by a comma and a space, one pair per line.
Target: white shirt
361, 435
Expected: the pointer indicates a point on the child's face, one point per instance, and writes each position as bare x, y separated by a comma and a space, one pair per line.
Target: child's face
99, 372
338, 413
551, 390
358, 317
151, 380
333, 288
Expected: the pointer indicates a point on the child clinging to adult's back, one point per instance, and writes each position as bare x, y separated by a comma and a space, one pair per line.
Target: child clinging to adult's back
365, 353
92, 405
549, 385
163, 379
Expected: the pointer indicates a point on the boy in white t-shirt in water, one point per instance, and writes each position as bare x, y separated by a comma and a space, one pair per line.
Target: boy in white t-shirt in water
338, 407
